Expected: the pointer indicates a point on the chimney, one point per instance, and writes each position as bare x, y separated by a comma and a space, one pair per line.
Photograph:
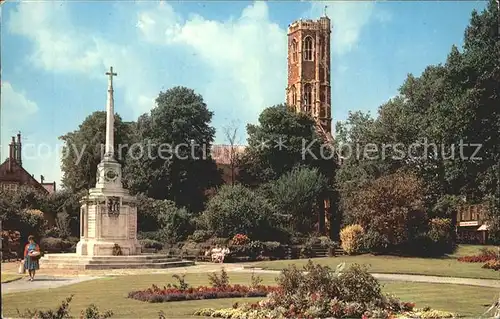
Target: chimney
19, 153
12, 152
41, 179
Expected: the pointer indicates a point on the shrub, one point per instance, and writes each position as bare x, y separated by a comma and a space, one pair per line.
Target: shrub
492, 264
295, 194
219, 282
238, 210
240, 239
358, 285
55, 245
149, 243
392, 205
256, 280
183, 285
352, 238
200, 236
441, 234
274, 249
375, 242
11, 243
62, 312
175, 223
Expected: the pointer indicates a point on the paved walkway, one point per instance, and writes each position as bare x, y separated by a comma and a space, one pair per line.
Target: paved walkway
42, 282
54, 281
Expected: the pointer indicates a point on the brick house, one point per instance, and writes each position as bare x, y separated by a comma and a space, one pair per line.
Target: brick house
13, 175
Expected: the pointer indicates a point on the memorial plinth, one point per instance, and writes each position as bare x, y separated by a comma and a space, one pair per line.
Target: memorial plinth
108, 218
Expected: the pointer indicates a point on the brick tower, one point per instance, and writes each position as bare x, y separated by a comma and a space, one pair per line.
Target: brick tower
308, 87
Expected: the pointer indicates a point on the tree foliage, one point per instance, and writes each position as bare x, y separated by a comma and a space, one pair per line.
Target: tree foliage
436, 121
391, 206
171, 158
238, 210
281, 141
84, 148
295, 196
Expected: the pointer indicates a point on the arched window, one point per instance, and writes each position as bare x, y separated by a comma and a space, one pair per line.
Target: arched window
308, 98
308, 49
294, 50
294, 95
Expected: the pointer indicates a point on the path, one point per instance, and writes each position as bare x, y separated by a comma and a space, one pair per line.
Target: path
42, 282
50, 280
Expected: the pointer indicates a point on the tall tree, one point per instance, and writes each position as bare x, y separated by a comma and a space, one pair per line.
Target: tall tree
84, 148
281, 141
171, 159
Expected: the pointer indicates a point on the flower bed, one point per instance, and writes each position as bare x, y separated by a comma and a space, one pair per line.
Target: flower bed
317, 292
166, 294
476, 259
254, 312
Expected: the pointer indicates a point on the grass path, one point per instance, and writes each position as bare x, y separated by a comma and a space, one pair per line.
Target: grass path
111, 294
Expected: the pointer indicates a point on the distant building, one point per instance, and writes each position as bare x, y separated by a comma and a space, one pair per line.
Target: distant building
225, 156
472, 226
13, 175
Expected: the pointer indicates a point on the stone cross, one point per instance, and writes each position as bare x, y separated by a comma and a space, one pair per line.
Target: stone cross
110, 117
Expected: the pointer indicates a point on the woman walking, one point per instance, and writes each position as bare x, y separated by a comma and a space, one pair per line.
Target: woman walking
31, 256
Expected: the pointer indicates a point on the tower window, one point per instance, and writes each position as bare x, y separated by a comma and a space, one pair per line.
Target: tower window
307, 98
308, 49
294, 50
294, 96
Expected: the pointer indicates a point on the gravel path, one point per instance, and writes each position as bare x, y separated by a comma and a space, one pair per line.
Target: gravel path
54, 281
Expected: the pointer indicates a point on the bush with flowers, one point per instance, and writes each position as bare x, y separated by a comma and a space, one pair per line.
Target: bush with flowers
319, 292
220, 289
240, 239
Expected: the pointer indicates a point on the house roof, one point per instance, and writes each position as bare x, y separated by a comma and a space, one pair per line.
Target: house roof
6, 176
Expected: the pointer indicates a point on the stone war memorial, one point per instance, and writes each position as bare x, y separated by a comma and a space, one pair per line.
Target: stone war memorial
108, 218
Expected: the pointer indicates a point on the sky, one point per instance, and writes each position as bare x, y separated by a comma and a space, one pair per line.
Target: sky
55, 54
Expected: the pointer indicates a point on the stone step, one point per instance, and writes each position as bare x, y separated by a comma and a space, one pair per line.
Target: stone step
112, 259
173, 264
86, 266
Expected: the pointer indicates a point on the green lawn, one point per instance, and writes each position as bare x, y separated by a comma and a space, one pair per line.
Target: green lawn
110, 293
448, 267
9, 277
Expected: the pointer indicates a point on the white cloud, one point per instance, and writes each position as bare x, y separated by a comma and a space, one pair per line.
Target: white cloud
17, 111
247, 55
348, 20
59, 46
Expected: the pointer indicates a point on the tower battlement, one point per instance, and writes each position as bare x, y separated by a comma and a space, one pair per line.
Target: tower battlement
322, 24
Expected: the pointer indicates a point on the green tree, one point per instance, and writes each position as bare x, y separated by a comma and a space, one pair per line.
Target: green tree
391, 207
84, 148
238, 210
296, 196
171, 160
281, 141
